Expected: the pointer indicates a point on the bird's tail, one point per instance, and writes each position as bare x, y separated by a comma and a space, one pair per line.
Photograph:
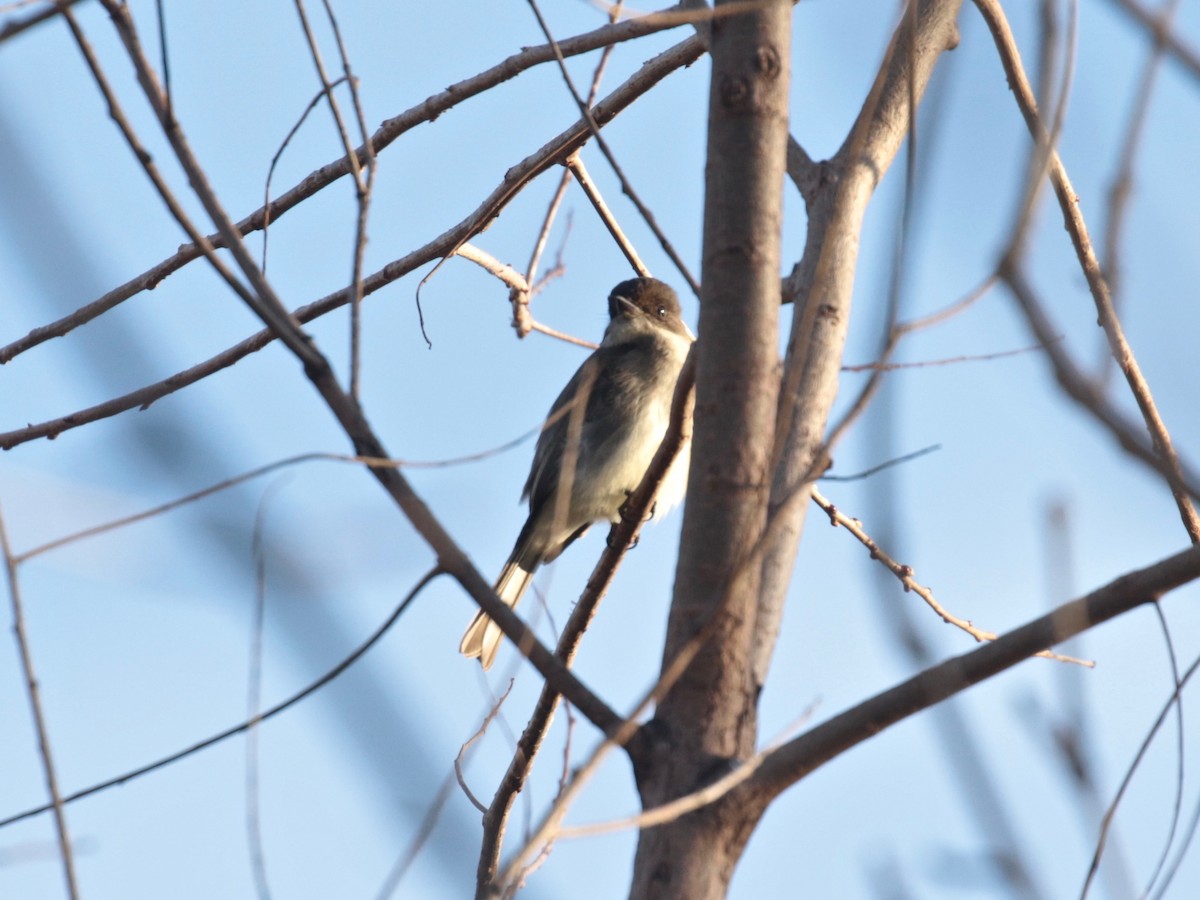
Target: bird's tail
483, 636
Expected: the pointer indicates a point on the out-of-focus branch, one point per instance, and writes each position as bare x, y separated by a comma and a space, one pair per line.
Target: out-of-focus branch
1088, 393
1080, 388
1068, 201
1158, 25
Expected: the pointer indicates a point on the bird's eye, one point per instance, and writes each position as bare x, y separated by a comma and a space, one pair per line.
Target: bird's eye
662, 312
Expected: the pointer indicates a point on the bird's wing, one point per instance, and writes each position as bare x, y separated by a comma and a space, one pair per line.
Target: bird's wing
607, 379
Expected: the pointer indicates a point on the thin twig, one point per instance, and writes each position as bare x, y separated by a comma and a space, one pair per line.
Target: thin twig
562, 335
947, 361
1180, 738
314, 686
626, 187
314, 51
896, 333
39, 720
1105, 824
614, 16
905, 575
560, 267
887, 464
539, 245
266, 222
1180, 741
363, 182
225, 484
470, 742
164, 57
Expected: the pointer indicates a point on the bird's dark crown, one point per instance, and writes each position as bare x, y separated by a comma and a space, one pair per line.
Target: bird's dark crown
649, 297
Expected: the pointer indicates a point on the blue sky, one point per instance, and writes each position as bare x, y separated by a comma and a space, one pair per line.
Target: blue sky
141, 637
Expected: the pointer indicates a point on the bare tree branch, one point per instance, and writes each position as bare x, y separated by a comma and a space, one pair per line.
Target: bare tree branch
907, 578
389, 131
558, 149
626, 187
822, 283
1080, 388
14, 26
808, 752
66, 857
1173, 701
576, 167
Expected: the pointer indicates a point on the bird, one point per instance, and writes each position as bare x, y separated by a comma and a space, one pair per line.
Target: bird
598, 441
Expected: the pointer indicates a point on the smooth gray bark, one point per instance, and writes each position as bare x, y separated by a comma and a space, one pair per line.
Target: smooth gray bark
707, 721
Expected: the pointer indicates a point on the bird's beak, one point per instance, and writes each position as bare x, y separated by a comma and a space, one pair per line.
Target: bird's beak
619, 305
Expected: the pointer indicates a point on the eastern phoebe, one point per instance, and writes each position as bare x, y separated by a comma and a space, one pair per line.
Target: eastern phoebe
598, 441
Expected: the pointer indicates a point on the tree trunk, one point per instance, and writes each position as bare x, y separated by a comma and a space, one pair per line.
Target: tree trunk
707, 722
